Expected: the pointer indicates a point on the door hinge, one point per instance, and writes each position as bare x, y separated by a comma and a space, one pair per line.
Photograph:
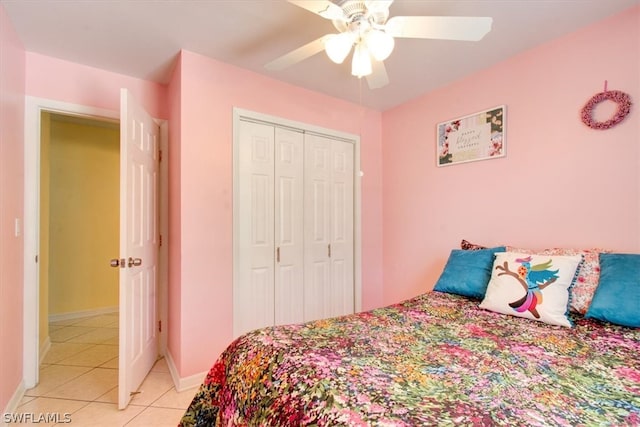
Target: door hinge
160, 240
329, 250
159, 155
159, 325
36, 259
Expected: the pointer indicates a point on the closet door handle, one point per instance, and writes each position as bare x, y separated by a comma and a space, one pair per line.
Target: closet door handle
329, 250
278, 254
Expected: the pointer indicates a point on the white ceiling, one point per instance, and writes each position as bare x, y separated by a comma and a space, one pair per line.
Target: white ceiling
142, 38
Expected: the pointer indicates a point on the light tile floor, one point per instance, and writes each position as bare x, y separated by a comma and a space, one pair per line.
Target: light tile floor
79, 377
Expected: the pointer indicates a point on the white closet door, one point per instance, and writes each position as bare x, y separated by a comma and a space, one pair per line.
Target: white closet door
329, 285
341, 299
317, 227
253, 297
293, 227
289, 227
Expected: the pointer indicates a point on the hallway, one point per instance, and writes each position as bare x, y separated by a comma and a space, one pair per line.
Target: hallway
79, 377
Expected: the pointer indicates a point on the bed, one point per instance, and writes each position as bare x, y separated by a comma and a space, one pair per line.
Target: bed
436, 359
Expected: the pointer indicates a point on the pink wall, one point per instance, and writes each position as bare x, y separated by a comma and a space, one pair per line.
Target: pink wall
174, 102
561, 183
65, 81
175, 215
209, 91
12, 66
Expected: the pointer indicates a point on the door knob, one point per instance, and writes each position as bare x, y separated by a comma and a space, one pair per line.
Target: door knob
115, 262
134, 262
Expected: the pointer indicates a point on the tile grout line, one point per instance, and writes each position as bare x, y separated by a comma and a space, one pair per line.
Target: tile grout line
63, 357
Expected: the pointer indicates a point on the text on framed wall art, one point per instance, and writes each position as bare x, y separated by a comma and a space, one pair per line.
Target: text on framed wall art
478, 136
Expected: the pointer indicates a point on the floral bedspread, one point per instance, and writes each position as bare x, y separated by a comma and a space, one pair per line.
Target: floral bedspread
436, 359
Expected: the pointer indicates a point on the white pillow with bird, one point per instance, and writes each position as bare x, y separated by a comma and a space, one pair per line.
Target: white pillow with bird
532, 286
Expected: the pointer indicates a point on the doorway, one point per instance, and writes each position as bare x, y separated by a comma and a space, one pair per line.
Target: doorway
34, 334
79, 231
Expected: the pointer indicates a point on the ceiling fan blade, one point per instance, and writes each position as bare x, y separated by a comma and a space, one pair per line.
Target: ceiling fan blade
297, 55
439, 27
378, 78
324, 8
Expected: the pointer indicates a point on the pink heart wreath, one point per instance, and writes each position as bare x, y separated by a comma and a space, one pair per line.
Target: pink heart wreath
624, 106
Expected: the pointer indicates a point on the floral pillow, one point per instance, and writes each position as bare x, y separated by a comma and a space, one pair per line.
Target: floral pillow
588, 274
532, 286
468, 246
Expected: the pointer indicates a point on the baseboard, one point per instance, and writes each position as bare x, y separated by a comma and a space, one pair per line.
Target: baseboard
14, 402
44, 349
183, 384
83, 313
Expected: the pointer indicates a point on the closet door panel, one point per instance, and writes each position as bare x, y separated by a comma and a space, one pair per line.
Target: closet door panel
317, 218
289, 227
341, 299
254, 291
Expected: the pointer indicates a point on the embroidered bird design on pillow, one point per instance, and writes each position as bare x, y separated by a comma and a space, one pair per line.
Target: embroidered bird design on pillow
533, 279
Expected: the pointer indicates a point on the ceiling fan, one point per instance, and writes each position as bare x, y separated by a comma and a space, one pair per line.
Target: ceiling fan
366, 26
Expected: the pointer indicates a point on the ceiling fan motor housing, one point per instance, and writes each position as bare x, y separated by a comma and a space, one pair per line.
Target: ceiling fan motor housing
358, 16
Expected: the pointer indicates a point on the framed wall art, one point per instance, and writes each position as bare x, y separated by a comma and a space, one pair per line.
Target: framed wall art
478, 136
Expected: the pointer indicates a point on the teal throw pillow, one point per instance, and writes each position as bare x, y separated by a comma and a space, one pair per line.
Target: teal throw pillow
617, 297
467, 273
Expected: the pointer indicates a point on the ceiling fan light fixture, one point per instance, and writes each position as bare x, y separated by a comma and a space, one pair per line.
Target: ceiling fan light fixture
338, 46
361, 65
380, 44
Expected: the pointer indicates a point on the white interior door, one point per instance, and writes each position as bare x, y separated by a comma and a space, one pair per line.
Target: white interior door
317, 228
139, 151
295, 224
253, 296
342, 294
329, 228
269, 289
289, 226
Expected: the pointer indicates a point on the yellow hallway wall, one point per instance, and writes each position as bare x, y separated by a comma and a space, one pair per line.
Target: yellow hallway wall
84, 215
43, 253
